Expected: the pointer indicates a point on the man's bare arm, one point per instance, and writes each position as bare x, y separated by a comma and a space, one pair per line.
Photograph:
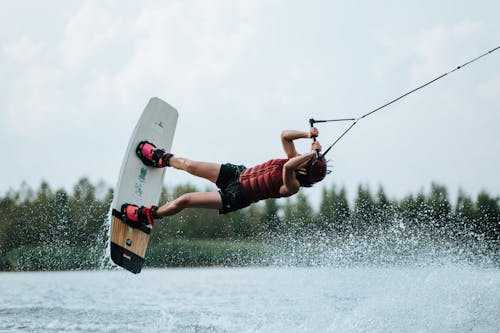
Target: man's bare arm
290, 183
288, 136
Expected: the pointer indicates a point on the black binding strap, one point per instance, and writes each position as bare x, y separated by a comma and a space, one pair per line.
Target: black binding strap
142, 227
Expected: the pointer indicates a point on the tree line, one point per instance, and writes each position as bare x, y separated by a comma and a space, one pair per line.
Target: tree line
41, 223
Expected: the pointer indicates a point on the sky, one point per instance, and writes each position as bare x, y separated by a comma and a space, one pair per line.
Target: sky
76, 75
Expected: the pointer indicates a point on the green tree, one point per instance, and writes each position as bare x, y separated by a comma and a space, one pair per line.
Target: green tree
384, 211
303, 215
488, 221
88, 214
8, 208
424, 224
41, 218
247, 222
364, 211
465, 215
270, 217
335, 211
439, 204
67, 226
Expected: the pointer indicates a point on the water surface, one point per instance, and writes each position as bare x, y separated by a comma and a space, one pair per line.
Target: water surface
393, 299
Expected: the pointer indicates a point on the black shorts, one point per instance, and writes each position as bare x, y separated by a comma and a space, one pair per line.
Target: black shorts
233, 197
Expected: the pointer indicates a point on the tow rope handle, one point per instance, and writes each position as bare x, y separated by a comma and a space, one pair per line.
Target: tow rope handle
311, 122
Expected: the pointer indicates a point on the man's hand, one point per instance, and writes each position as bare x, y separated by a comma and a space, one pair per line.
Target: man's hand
316, 146
313, 132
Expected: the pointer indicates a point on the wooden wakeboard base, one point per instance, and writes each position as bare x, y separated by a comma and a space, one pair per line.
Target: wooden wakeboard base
128, 245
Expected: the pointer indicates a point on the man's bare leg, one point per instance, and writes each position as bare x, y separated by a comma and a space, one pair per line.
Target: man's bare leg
211, 200
205, 170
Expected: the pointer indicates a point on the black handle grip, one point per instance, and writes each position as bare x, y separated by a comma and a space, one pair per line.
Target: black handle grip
311, 122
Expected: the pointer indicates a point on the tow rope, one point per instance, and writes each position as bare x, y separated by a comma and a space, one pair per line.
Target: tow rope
355, 120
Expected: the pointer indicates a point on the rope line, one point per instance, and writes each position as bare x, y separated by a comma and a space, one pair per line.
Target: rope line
355, 120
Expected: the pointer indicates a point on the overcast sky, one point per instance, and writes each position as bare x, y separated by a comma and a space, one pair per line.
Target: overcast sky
76, 75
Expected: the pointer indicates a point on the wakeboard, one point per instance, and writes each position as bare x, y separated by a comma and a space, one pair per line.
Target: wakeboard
139, 184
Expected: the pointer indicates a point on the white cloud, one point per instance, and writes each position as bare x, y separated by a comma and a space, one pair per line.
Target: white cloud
183, 47
438, 46
88, 31
67, 84
177, 50
491, 88
23, 50
466, 29
35, 101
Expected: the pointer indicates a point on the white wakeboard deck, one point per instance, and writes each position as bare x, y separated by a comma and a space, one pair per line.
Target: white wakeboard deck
139, 184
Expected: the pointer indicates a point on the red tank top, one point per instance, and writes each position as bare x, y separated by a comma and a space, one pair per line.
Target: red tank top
264, 180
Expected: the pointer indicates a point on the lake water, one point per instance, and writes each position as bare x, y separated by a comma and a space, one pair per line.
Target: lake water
269, 299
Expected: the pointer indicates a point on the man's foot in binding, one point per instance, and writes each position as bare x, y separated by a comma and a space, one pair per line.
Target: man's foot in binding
152, 156
136, 215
